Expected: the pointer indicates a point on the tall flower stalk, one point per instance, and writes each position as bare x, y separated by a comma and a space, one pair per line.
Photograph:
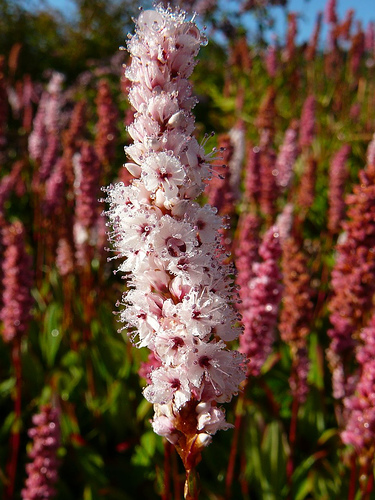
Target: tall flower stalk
180, 300
15, 314
359, 430
261, 299
338, 174
352, 282
42, 471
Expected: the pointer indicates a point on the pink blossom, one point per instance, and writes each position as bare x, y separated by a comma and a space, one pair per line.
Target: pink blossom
271, 60
330, 12
352, 280
261, 299
246, 253
298, 380
180, 298
106, 132
370, 155
290, 44
64, 257
43, 142
17, 278
87, 175
286, 158
237, 137
338, 174
360, 407
49, 157
54, 194
307, 123
38, 136
284, 221
252, 174
42, 471
3, 104
370, 38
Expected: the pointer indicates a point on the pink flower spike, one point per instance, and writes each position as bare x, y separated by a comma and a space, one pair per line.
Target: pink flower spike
181, 296
42, 471
261, 299
17, 278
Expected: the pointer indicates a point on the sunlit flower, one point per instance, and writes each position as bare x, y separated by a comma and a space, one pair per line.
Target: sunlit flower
180, 298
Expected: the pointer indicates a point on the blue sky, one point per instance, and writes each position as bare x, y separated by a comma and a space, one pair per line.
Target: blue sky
364, 11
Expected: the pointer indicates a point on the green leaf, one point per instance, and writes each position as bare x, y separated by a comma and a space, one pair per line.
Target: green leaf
327, 435
7, 425
71, 359
141, 457
305, 488
316, 373
143, 409
7, 386
274, 456
148, 443
50, 339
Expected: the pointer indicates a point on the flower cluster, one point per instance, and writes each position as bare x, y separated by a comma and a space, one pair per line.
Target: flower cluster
87, 171
307, 124
3, 105
46, 126
17, 281
330, 12
42, 471
246, 252
360, 427
352, 281
296, 313
106, 133
261, 300
180, 301
287, 156
338, 173
314, 39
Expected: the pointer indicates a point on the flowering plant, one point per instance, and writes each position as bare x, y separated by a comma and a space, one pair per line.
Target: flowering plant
180, 300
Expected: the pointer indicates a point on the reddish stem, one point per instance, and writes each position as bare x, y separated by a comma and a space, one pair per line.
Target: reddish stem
234, 445
366, 480
177, 483
15, 434
243, 481
370, 484
166, 495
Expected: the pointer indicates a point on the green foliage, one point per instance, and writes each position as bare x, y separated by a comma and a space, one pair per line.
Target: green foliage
51, 40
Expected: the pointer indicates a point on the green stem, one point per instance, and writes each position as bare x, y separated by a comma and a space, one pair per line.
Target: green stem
191, 490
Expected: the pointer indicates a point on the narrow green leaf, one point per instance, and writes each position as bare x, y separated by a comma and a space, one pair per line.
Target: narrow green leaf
50, 339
